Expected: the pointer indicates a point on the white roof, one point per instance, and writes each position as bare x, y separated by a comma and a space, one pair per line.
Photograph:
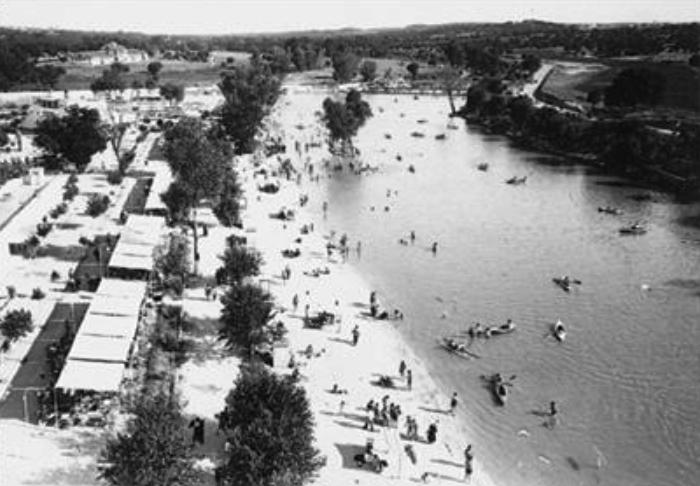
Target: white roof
161, 181
131, 261
90, 375
109, 326
115, 306
100, 348
112, 287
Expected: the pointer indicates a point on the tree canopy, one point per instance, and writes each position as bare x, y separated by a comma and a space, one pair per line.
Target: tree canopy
154, 450
271, 432
247, 309
249, 92
368, 70
413, 68
173, 92
75, 137
344, 119
345, 65
238, 262
635, 86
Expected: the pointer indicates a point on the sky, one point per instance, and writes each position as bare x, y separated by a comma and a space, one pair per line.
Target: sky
246, 16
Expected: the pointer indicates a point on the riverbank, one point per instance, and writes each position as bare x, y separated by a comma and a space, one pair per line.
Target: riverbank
334, 360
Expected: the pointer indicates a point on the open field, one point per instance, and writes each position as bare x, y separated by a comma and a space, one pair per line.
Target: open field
575, 80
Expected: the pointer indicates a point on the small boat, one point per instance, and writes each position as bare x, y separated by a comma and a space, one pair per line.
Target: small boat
499, 389
559, 332
483, 167
452, 126
566, 282
440, 136
516, 180
506, 328
417, 134
457, 348
609, 210
387, 136
422, 120
411, 169
635, 229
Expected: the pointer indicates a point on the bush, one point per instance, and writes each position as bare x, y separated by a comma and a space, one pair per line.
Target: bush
115, 178
38, 294
11, 291
272, 433
16, 324
97, 204
70, 192
43, 229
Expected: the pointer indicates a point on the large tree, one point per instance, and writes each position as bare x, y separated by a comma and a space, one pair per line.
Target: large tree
345, 65
271, 432
75, 137
154, 69
199, 162
238, 262
368, 70
227, 209
154, 450
249, 92
344, 119
247, 309
173, 92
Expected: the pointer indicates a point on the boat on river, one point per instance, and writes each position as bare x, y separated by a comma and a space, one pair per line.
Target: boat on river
609, 210
440, 136
635, 229
457, 348
452, 126
566, 282
558, 331
483, 167
417, 134
499, 388
515, 181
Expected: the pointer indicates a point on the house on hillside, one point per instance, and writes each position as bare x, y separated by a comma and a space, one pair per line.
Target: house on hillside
110, 53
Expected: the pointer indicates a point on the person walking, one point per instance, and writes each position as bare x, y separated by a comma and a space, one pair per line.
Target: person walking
355, 335
453, 403
409, 378
402, 368
468, 457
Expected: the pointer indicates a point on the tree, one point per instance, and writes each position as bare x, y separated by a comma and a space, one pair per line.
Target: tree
343, 119
239, 262
227, 209
111, 79
450, 79
172, 260
635, 86
154, 451
412, 68
75, 137
530, 63
694, 60
177, 199
198, 161
368, 71
520, 109
271, 434
4, 139
154, 69
249, 92
247, 309
344, 66
173, 92
48, 75
16, 324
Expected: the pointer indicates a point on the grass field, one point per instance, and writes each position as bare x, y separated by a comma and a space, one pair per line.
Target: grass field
682, 90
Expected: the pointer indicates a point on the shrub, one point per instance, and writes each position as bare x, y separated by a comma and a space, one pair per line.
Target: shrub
43, 229
115, 178
16, 324
70, 192
38, 294
97, 204
11, 291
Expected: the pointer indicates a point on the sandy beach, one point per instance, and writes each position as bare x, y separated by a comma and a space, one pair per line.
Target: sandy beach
379, 351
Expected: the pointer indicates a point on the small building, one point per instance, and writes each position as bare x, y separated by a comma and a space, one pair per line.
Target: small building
110, 53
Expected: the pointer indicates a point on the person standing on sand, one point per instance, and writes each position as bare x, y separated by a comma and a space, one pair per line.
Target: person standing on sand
355, 335
402, 368
409, 378
453, 403
295, 302
468, 457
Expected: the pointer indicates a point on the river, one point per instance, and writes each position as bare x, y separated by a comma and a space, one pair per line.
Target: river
626, 378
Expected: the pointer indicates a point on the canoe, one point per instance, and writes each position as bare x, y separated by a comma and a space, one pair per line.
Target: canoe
563, 283
462, 353
559, 331
500, 392
506, 328
633, 230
